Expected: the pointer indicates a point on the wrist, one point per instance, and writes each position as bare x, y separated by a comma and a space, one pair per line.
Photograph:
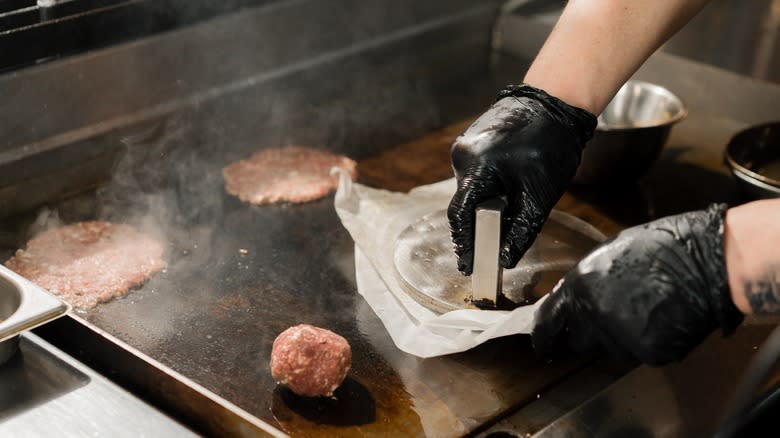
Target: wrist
580, 122
567, 88
752, 232
710, 229
734, 258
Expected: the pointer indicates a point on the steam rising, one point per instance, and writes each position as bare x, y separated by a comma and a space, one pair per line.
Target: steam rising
230, 263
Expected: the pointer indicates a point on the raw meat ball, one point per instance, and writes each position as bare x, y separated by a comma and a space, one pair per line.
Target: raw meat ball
310, 361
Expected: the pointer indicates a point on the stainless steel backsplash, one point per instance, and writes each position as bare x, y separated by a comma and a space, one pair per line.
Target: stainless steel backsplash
741, 36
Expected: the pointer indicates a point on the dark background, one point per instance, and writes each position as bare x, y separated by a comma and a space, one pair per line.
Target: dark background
31, 35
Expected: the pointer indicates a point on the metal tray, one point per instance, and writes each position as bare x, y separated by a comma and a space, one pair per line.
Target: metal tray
23, 306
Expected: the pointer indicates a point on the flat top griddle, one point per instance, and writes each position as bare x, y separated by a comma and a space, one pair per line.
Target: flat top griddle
233, 285
239, 274
213, 314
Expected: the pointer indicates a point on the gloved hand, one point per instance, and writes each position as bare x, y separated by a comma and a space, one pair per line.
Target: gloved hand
651, 293
525, 148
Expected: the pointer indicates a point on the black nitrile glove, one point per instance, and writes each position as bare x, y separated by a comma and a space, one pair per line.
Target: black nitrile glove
651, 293
525, 148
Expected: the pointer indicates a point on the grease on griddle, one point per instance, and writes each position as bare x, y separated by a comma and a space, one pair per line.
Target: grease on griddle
350, 405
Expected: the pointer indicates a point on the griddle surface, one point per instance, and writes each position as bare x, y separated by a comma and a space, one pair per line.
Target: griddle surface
239, 275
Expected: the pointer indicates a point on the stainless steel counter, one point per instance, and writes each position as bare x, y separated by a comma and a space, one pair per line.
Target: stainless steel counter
45, 392
686, 399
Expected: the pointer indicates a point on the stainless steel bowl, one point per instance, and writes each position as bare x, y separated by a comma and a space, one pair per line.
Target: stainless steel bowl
10, 300
631, 133
23, 306
753, 157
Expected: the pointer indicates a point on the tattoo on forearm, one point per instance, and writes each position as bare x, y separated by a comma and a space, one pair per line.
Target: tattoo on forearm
763, 294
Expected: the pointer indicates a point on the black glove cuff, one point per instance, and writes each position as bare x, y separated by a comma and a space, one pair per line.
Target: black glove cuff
579, 121
729, 317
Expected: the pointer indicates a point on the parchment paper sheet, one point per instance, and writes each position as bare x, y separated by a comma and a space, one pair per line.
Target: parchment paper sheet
374, 218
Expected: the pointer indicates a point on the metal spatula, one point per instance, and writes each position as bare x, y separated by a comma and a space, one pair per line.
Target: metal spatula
486, 277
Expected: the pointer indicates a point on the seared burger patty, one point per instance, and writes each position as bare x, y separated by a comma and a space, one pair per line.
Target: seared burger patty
287, 174
89, 262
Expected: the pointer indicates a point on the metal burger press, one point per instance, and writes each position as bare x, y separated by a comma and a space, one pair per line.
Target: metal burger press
426, 265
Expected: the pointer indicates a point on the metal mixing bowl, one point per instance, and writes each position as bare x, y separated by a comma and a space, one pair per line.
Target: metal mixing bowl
753, 156
632, 130
10, 300
23, 306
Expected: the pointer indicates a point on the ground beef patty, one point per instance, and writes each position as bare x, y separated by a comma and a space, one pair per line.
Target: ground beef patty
286, 174
89, 262
309, 360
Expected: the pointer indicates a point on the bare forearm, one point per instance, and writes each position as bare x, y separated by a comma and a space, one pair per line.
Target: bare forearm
752, 252
598, 44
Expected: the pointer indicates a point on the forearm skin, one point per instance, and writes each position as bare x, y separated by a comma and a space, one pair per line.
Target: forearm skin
597, 45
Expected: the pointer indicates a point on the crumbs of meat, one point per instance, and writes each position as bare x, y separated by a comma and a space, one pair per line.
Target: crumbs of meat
87, 263
286, 174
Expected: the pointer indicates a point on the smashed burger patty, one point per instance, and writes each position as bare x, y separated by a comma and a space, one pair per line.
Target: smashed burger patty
87, 263
294, 174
